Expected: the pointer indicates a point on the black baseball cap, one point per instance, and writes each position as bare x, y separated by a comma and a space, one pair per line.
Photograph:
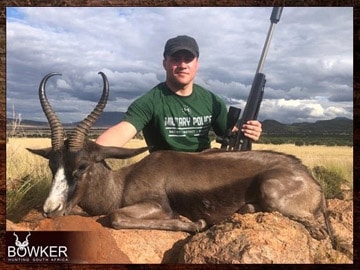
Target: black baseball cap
181, 43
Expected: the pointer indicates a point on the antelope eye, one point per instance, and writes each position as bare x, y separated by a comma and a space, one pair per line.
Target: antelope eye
80, 170
82, 167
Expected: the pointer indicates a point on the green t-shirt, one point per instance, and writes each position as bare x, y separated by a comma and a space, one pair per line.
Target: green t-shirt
172, 122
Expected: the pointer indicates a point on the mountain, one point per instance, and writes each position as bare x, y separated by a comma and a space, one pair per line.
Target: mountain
108, 119
105, 120
336, 126
339, 125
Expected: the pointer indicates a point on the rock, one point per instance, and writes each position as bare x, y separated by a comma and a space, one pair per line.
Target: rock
341, 220
346, 192
28, 222
249, 238
11, 226
150, 246
259, 238
106, 245
94, 245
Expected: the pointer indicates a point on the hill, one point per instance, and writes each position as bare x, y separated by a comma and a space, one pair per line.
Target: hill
339, 125
105, 120
337, 131
108, 119
336, 126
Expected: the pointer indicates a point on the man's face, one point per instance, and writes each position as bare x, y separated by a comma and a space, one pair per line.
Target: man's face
181, 68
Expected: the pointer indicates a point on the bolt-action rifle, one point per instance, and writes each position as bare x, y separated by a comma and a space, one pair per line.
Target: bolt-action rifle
232, 141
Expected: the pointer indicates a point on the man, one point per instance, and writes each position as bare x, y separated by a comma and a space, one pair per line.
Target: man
176, 114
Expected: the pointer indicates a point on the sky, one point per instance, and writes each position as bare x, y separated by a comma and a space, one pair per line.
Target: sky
308, 68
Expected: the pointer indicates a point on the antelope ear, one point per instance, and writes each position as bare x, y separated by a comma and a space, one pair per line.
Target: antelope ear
45, 152
104, 152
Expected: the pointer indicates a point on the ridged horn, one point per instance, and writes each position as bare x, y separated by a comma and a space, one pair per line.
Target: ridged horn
57, 129
77, 137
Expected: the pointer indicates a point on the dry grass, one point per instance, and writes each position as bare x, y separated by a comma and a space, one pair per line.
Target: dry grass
20, 162
28, 176
335, 158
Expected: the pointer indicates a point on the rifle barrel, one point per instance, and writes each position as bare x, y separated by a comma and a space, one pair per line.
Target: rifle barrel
276, 14
234, 141
274, 18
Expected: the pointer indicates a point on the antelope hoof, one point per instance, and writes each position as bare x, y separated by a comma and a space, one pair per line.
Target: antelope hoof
113, 221
115, 225
201, 225
318, 233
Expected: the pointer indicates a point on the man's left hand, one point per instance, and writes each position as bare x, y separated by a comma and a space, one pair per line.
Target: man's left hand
252, 129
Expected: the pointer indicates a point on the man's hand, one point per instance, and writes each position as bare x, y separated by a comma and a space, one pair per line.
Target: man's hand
252, 129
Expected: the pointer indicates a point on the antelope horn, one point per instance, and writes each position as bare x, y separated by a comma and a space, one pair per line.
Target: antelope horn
77, 137
57, 130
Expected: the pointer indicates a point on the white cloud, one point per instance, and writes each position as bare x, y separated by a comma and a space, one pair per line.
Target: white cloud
294, 111
310, 60
62, 84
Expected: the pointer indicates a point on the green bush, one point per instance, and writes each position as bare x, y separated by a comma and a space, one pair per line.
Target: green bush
27, 194
330, 180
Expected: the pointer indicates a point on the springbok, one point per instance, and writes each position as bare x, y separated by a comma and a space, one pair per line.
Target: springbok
205, 187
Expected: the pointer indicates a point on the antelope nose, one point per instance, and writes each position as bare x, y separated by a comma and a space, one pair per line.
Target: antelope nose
50, 209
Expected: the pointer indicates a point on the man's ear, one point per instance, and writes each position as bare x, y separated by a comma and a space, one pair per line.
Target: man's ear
44, 152
164, 63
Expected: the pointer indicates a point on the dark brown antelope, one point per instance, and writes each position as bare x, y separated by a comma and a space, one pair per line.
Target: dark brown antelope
205, 187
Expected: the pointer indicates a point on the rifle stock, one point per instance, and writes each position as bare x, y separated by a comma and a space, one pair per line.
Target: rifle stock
251, 112
233, 141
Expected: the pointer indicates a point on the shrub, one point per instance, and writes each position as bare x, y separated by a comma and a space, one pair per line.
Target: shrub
24, 194
330, 180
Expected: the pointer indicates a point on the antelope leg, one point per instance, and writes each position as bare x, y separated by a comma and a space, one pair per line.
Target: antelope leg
150, 215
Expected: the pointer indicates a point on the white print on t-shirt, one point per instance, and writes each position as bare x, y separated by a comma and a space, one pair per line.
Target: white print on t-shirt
183, 126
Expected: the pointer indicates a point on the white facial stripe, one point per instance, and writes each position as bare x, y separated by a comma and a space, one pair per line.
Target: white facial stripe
57, 197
